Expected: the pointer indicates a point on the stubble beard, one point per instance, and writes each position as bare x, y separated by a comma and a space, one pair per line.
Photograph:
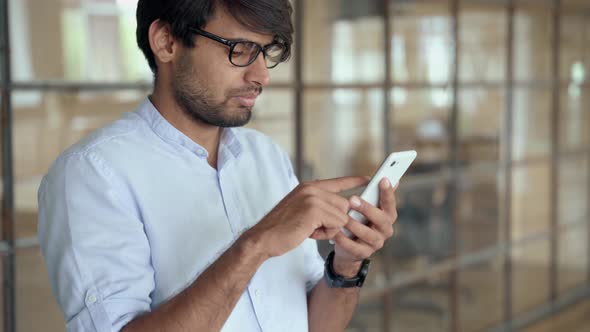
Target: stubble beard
198, 102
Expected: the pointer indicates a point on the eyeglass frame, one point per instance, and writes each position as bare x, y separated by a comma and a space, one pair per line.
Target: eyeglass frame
232, 43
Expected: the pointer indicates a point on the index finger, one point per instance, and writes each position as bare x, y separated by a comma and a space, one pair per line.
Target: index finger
340, 184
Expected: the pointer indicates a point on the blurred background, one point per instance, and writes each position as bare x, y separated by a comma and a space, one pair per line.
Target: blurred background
493, 231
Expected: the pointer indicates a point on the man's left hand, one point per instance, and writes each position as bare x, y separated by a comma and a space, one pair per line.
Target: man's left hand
369, 238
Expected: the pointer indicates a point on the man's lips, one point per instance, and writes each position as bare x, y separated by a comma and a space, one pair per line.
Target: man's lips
247, 100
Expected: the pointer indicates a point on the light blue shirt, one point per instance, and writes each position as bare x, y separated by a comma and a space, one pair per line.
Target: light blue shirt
133, 214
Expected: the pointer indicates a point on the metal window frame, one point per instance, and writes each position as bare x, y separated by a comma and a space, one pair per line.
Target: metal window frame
555, 148
8, 259
506, 220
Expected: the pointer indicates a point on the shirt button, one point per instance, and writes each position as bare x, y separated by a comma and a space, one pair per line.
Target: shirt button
258, 293
91, 299
201, 152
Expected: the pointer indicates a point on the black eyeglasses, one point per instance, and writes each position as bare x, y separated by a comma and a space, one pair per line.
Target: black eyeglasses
243, 52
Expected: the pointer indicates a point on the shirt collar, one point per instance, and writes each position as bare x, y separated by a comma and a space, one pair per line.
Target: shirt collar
168, 132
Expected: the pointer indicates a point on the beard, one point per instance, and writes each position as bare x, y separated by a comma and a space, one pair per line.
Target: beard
198, 102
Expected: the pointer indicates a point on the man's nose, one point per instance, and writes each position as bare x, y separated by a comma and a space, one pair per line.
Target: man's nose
257, 72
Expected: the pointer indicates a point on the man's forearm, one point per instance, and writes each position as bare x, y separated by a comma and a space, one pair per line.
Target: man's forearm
207, 303
330, 309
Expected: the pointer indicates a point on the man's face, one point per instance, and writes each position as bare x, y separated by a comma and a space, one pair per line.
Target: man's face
208, 87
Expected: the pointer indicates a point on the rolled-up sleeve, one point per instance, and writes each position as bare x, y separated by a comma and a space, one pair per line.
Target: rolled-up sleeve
314, 263
95, 246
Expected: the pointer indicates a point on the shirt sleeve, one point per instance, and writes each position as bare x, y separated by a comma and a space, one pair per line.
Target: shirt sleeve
314, 263
95, 246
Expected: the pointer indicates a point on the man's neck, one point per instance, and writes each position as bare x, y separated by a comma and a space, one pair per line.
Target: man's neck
203, 134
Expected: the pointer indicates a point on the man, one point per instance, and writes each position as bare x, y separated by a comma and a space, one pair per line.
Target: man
172, 219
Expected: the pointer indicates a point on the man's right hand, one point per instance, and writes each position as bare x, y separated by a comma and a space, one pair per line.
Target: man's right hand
312, 210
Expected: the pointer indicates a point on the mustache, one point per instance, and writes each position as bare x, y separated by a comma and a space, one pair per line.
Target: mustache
245, 90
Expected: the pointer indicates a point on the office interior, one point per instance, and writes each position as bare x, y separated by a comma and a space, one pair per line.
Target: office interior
493, 229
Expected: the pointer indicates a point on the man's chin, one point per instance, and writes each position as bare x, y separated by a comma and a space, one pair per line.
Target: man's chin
242, 117
228, 116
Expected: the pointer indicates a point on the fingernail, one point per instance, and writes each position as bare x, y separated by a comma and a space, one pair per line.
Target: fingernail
385, 183
396, 185
355, 201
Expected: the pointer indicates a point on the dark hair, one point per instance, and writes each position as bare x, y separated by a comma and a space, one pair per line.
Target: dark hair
262, 16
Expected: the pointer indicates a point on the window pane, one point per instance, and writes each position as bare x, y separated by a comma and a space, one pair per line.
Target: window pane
575, 117
530, 200
419, 307
342, 44
36, 307
573, 220
420, 121
482, 37
343, 133
573, 256
573, 189
421, 41
478, 213
424, 229
481, 295
273, 115
531, 123
481, 117
74, 41
530, 276
574, 41
533, 29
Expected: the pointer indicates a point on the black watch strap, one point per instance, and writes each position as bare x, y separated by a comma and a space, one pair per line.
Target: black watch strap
335, 280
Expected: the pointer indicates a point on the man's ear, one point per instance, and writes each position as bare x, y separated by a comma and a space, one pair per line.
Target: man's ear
162, 42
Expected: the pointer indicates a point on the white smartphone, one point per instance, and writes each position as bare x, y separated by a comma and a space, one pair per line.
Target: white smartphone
393, 168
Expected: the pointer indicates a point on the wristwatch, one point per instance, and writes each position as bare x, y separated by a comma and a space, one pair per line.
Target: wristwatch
335, 280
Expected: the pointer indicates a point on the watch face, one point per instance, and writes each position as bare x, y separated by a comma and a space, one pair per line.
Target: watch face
363, 272
364, 269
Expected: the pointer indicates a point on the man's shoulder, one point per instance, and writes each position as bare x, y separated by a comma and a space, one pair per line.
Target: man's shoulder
117, 134
127, 125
